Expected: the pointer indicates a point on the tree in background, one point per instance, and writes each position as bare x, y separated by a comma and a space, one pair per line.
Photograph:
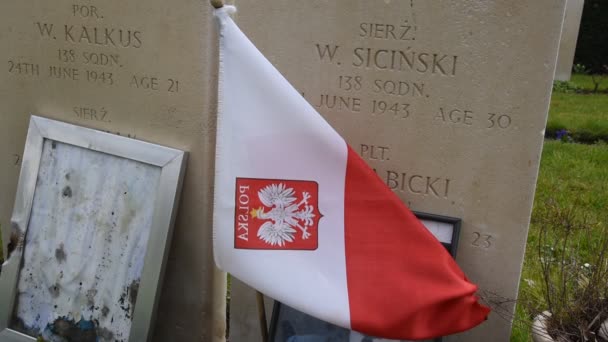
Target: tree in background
592, 47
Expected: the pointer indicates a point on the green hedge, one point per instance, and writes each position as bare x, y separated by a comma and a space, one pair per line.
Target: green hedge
593, 135
592, 44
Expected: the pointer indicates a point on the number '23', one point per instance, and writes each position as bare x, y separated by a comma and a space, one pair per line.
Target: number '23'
482, 240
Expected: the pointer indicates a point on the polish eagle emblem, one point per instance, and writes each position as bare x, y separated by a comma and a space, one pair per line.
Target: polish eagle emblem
285, 214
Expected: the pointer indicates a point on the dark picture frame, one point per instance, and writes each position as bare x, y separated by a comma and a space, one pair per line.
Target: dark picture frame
447, 231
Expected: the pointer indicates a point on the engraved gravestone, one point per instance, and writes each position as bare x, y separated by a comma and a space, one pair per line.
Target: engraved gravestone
141, 69
447, 100
567, 45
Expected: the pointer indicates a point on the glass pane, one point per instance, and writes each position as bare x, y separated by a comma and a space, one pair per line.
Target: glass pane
85, 245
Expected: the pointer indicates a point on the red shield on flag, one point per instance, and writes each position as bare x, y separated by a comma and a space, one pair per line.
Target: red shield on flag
276, 214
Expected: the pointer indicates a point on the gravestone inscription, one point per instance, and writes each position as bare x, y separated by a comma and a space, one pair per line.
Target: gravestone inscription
141, 69
447, 101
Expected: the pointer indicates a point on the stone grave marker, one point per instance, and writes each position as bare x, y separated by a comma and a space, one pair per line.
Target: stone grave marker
447, 100
144, 69
567, 45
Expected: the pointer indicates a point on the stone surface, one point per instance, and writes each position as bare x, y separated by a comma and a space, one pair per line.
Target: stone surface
567, 45
603, 332
447, 100
244, 312
539, 328
141, 68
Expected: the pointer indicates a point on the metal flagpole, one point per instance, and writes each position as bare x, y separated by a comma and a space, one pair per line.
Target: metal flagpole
259, 296
262, 315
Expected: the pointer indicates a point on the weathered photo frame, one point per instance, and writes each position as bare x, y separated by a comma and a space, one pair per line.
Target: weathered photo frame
92, 211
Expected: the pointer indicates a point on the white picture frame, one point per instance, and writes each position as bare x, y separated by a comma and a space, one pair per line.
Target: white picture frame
153, 173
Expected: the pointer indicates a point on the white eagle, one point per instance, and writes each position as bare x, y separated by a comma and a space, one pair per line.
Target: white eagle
284, 215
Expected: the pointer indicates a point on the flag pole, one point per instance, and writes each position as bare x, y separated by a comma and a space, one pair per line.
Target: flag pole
262, 315
259, 296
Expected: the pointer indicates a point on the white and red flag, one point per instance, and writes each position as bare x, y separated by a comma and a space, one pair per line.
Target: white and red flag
302, 218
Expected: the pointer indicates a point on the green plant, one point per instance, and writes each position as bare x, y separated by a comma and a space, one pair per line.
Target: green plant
598, 75
598, 78
579, 69
572, 256
565, 87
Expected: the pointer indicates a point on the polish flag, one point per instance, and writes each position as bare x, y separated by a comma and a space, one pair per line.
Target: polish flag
300, 217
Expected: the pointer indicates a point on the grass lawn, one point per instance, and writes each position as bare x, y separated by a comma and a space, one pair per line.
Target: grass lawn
574, 174
584, 115
586, 82
570, 173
